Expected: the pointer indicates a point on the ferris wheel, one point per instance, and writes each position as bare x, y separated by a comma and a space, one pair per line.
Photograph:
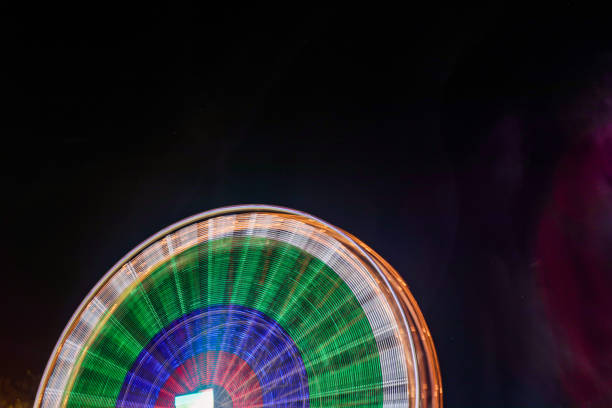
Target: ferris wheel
246, 306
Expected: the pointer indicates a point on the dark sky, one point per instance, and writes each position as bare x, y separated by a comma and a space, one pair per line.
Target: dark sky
437, 135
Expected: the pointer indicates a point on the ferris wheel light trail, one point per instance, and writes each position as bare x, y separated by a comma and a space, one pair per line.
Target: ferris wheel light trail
258, 306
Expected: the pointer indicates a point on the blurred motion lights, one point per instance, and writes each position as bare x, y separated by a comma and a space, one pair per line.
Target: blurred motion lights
246, 306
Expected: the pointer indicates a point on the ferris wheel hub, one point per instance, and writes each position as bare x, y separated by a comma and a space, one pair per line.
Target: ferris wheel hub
201, 399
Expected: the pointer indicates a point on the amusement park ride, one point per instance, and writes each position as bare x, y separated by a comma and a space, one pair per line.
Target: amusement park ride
246, 306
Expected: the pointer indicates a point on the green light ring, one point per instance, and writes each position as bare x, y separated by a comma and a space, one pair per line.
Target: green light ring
337, 361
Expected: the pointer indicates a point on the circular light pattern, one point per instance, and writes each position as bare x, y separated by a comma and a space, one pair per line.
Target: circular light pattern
258, 343
265, 306
240, 383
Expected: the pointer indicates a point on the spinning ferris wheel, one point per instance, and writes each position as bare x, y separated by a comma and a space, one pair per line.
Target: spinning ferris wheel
246, 306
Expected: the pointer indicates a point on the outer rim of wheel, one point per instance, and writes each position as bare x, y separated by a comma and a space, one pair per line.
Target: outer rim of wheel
423, 354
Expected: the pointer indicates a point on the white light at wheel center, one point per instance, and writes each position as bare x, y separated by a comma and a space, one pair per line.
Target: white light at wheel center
202, 399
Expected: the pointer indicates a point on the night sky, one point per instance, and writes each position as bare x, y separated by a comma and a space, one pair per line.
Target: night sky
471, 148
